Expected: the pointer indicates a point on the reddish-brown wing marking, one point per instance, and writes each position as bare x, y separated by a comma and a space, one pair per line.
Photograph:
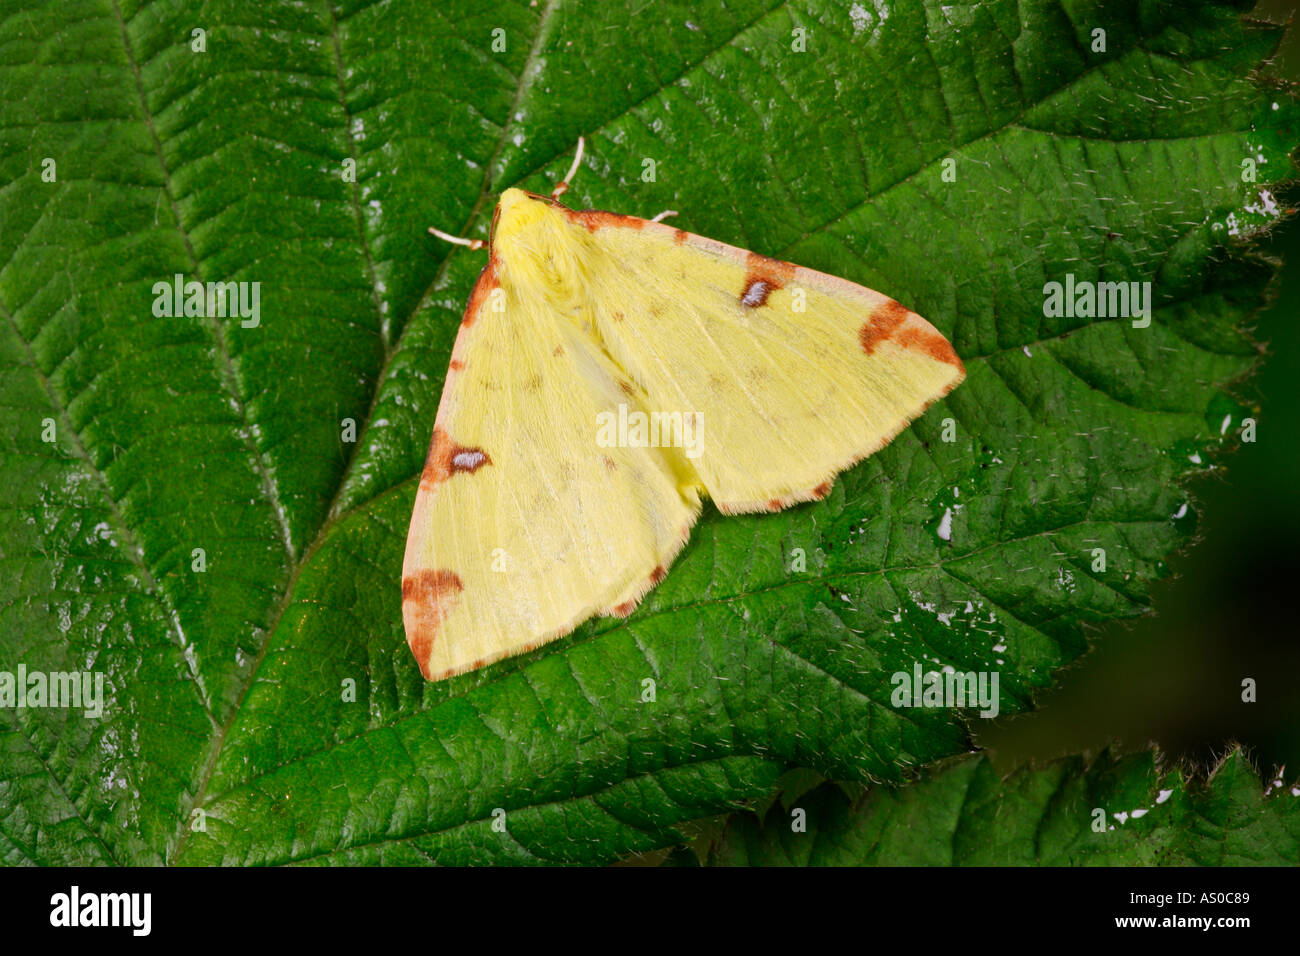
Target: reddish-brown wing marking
487, 281
595, 219
763, 276
428, 598
882, 325
890, 323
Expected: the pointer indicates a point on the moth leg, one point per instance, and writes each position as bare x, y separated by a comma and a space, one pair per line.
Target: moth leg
664, 215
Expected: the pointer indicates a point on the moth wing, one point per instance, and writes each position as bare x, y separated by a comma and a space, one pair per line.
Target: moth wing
524, 526
796, 374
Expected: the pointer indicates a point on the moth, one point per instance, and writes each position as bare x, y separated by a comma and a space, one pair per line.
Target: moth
610, 373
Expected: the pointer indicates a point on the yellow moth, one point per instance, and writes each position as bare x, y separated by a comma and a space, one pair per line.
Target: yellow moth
609, 373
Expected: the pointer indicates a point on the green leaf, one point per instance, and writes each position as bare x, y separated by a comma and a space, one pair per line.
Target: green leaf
229, 735
1120, 811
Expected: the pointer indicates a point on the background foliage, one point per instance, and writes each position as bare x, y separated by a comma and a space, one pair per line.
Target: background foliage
1119, 811
1173, 676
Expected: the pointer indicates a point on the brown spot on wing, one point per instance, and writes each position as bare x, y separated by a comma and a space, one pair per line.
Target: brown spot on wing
762, 277
679, 236
822, 490
559, 350
428, 598
487, 281
610, 464
626, 608
774, 504
627, 387
880, 327
456, 365
657, 575
446, 457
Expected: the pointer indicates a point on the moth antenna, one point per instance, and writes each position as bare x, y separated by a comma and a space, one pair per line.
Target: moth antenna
563, 185
448, 237
664, 215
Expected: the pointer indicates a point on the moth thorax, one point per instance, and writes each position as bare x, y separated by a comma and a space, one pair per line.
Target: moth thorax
538, 248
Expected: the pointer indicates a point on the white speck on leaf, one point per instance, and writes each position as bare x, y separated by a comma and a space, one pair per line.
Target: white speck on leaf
864, 19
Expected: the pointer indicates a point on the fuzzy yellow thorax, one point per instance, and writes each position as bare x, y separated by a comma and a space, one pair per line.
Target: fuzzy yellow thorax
539, 248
